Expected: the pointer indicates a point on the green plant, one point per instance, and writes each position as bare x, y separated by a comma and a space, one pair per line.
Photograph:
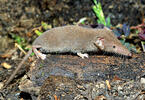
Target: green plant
97, 8
38, 32
44, 26
21, 41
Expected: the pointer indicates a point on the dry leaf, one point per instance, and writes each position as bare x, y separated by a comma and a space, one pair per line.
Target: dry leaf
55, 97
108, 84
116, 78
6, 65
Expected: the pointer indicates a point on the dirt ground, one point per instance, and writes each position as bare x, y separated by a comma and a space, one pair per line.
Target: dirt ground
67, 77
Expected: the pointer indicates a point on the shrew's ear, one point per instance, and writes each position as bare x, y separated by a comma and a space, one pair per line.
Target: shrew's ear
100, 43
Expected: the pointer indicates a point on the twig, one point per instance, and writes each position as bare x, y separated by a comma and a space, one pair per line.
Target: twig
18, 46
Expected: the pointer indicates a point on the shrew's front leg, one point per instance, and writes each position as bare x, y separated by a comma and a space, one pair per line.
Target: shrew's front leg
83, 55
38, 53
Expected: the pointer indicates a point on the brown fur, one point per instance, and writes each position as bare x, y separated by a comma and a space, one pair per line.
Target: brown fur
75, 39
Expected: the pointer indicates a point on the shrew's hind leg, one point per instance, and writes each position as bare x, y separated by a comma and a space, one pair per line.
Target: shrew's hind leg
38, 53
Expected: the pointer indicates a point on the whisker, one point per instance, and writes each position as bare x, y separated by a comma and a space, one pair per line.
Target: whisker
121, 56
104, 52
125, 58
115, 54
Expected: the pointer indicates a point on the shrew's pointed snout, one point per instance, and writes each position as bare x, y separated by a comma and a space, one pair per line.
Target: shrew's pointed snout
123, 51
127, 52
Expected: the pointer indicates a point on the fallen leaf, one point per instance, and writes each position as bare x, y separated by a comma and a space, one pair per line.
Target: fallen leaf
116, 78
55, 97
100, 98
108, 84
6, 65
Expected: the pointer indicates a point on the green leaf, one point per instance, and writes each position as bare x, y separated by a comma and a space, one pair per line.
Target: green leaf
133, 48
97, 8
32, 54
122, 41
127, 45
45, 25
95, 2
108, 22
82, 20
38, 32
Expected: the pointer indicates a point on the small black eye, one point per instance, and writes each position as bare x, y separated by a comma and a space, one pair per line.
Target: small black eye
114, 46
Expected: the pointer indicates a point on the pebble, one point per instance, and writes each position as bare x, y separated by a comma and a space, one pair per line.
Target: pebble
1, 85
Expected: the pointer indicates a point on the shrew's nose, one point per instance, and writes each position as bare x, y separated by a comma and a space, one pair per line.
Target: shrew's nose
130, 54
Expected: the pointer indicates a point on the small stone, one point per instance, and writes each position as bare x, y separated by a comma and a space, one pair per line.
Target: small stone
142, 80
102, 85
119, 88
1, 85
